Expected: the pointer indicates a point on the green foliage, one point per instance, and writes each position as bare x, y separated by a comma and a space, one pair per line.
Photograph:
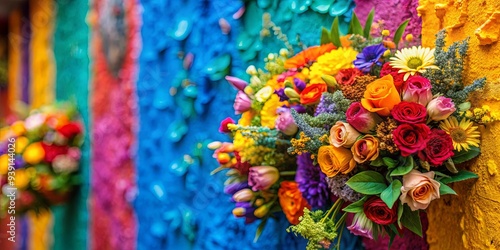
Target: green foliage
465, 155
400, 31
367, 182
444, 189
314, 228
448, 79
335, 33
391, 194
355, 207
355, 26
368, 24
461, 176
411, 220
405, 166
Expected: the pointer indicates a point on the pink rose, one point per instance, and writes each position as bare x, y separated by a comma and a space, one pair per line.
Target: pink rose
242, 103
262, 177
361, 119
440, 108
343, 135
419, 189
285, 122
417, 89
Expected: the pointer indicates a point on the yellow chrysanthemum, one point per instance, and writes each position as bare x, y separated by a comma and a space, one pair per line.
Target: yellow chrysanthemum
268, 113
463, 134
246, 118
331, 62
413, 60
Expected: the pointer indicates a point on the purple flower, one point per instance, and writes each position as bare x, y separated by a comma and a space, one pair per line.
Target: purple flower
361, 226
281, 94
246, 210
262, 177
311, 181
299, 108
369, 56
324, 106
299, 84
235, 187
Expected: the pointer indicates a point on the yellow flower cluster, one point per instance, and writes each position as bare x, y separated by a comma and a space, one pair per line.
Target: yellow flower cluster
299, 144
483, 114
268, 113
249, 151
331, 62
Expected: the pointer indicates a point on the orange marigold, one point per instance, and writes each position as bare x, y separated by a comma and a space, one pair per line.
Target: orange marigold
291, 201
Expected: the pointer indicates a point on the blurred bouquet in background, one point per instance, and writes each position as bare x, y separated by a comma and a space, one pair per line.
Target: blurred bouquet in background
39, 158
356, 125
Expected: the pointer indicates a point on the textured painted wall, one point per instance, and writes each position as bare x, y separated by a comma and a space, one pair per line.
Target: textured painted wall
71, 42
471, 219
188, 47
115, 46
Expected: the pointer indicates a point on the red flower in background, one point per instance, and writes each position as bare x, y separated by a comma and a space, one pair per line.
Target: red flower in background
51, 151
307, 56
438, 149
348, 76
312, 93
70, 130
398, 77
377, 211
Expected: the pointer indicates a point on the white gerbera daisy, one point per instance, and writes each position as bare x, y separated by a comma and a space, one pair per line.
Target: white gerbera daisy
413, 60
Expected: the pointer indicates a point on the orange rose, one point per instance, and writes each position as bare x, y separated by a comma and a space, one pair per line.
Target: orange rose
291, 201
312, 93
381, 96
419, 189
365, 149
333, 160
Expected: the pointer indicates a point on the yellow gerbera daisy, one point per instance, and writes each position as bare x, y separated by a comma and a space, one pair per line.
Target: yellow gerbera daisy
413, 60
463, 134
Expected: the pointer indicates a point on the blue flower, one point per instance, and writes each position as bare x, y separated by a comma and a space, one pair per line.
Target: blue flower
369, 56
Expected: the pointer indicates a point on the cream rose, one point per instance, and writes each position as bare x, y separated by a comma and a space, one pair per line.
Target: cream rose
343, 135
419, 189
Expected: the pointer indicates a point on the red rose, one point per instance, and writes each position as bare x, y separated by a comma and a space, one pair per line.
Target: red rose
411, 138
70, 130
377, 211
409, 112
398, 77
439, 148
348, 76
223, 125
51, 151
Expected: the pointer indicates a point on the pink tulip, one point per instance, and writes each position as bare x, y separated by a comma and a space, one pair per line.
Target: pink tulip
242, 103
262, 177
285, 122
238, 83
361, 119
440, 108
361, 226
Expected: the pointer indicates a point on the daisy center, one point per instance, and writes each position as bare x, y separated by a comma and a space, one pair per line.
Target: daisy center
414, 63
458, 135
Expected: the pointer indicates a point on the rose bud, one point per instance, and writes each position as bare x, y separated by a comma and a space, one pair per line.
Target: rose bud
223, 125
238, 83
285, 122
440, 108
417, 89
242, 103
342, 134
419, 189
243, 195
262, 177
361, 119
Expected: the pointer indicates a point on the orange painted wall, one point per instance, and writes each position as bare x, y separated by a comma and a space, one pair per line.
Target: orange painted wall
470, 220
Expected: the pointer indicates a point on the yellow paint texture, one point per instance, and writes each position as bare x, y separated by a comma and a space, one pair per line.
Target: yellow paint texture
470, 220
14, 80
42, 56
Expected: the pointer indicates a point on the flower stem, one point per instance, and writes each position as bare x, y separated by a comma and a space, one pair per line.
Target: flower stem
288, 173
331, 210
340, 234
337, 209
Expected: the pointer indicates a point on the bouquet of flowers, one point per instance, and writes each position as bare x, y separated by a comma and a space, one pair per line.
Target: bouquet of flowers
39, 159
354, 125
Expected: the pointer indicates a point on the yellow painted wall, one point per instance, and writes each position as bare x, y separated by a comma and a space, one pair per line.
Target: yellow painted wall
470, 220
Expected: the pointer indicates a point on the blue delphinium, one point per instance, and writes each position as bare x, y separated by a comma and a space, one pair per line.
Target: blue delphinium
369, 56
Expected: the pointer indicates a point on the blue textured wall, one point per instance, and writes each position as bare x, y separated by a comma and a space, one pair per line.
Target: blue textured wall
179, 204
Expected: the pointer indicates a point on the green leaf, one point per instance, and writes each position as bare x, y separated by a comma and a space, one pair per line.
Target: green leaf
462, 175
391, 234
411, 220
404, 168
391, 193
335, 33
355, 26
444, 189
464, 156
367, 182
400, 31
400, 213
389, 162
355, 207
368, 24
377, 162
441, 174
261, 227
325, 37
